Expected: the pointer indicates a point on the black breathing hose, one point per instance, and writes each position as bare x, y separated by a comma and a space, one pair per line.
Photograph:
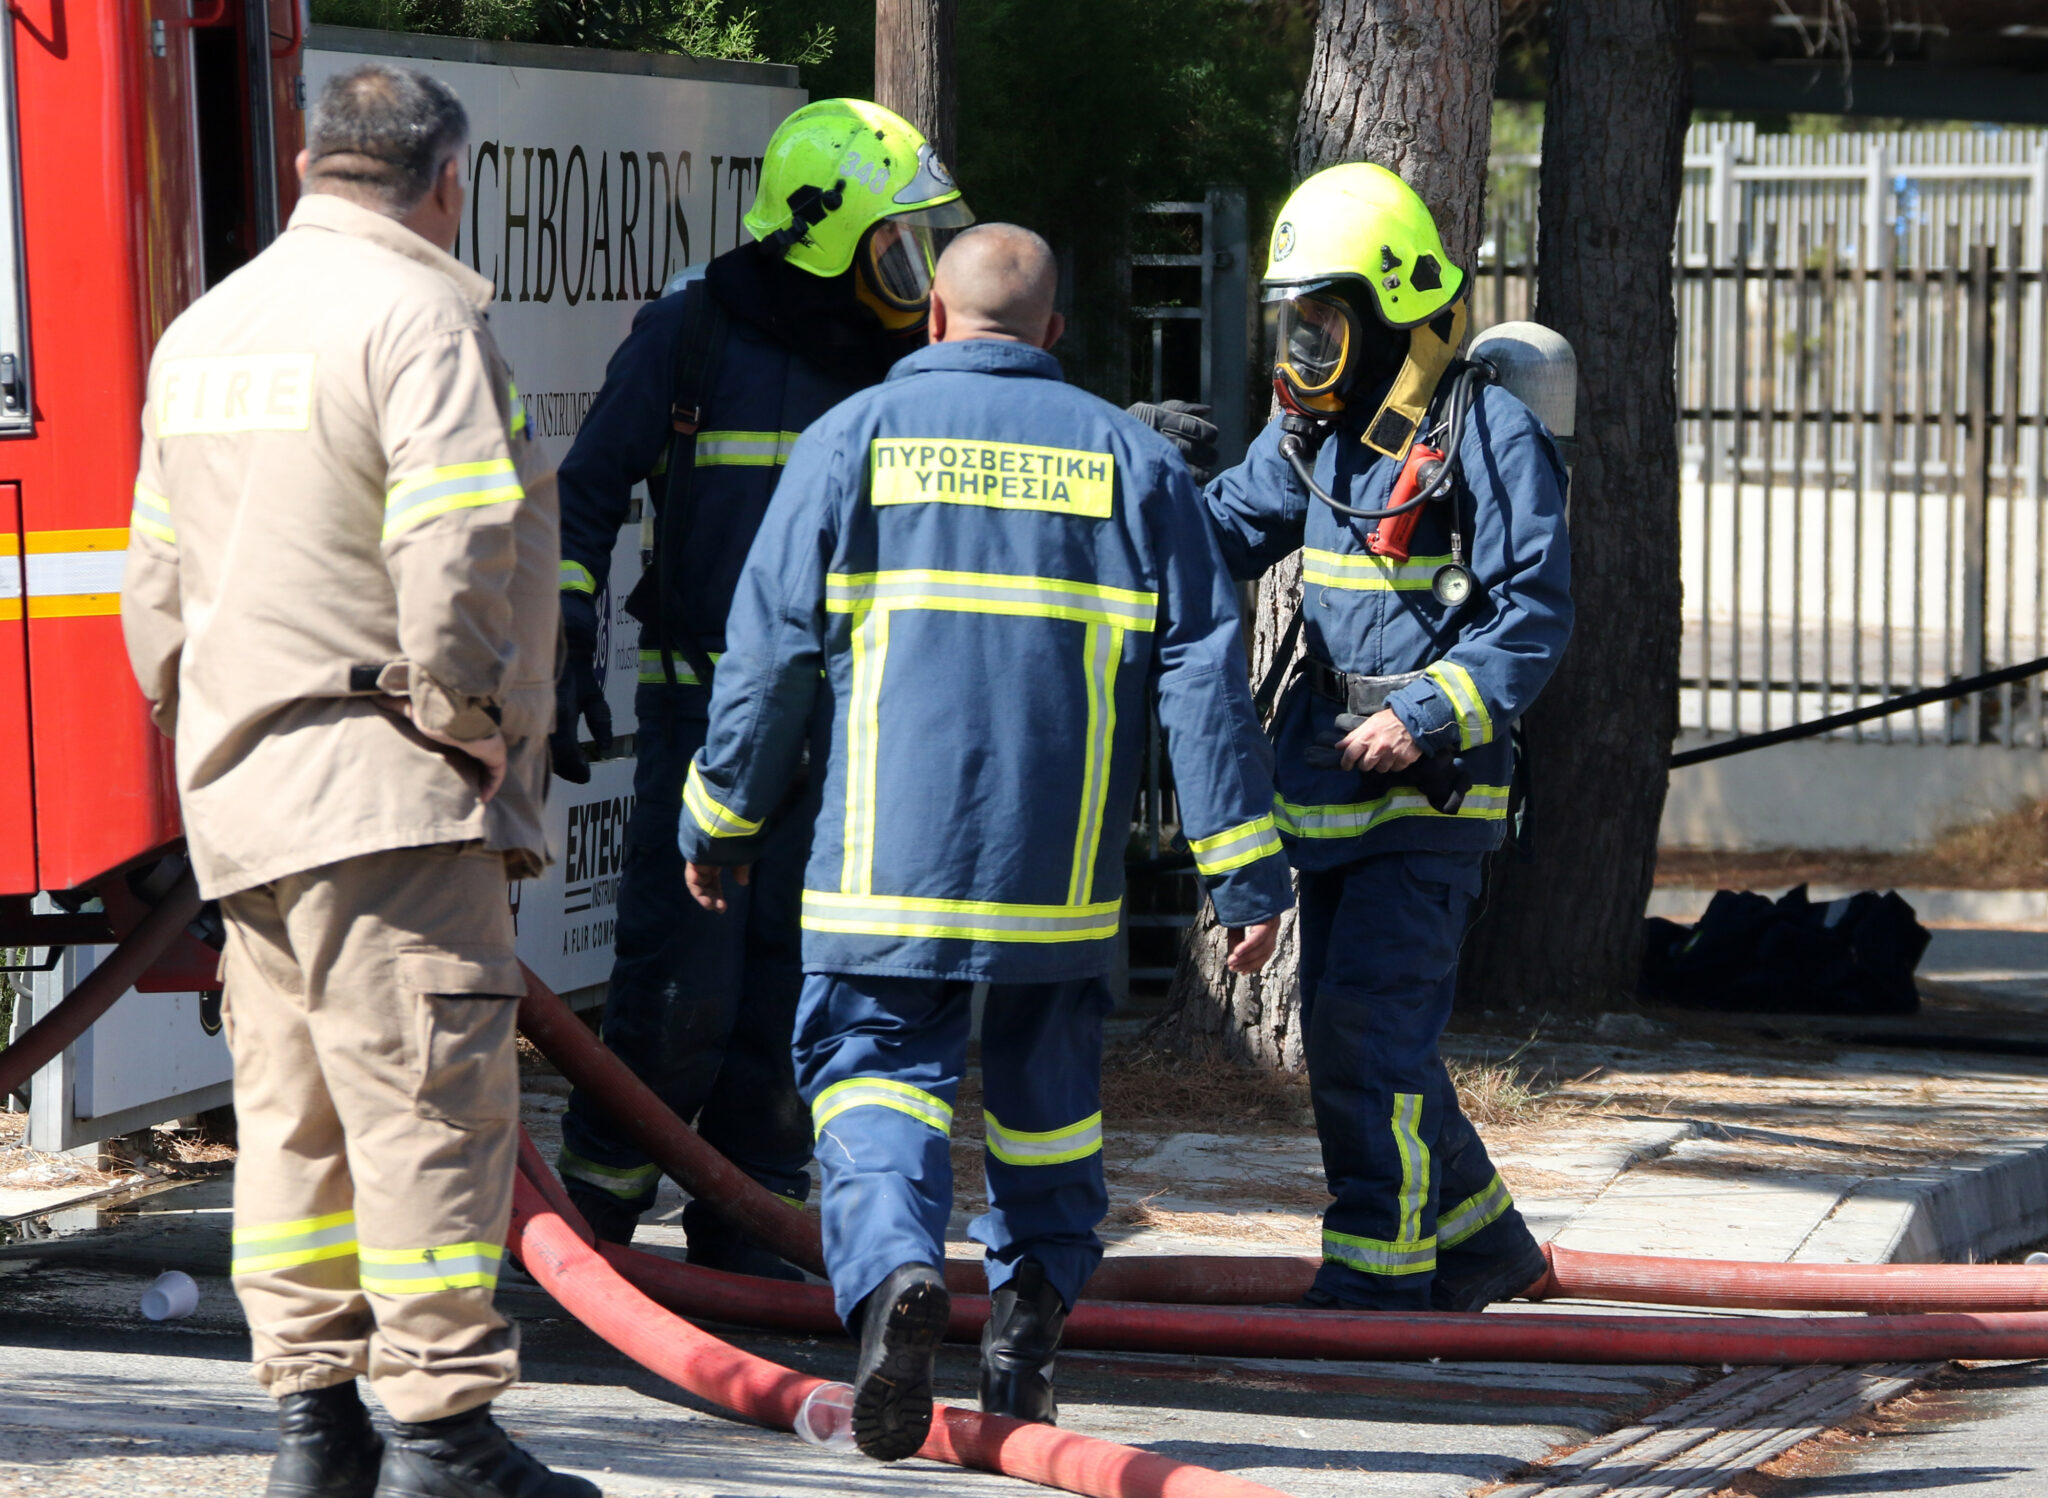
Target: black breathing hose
1296, 451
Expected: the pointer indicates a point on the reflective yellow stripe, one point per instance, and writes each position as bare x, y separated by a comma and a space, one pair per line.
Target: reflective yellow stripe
455, 486
1474, 1214
1475, 723
686, 675
577, 578
1235, 847
706, 811
422, 1271
863, 751
1051, 1147
1407, 1125
1483, 803
628, 1184
152, 515
881, 1092
744, 449
1101, 652
74, 574
287, 1245
1365, 573
1378, 1255
992, 593
966, 920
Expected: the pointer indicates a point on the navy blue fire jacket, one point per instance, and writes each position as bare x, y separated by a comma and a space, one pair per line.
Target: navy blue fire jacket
1482, 664
988, 575
762, 396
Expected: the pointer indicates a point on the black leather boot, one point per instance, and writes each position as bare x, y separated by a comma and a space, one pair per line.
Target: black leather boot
326, 1446
1474, 1289
1025, 1320
610, 1219
468, 1456
717, 1242
901, 1323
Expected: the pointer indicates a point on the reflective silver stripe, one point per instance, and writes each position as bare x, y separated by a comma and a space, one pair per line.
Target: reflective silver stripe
1377, 1255
459, 1266
57, 573
267, 1249
1103, 650
1364, 572
886, 915
650, 669
1474, 1213
744, 449
1407, 1125
995, 593
1047, 1147
628, 1183
1237, 847
1350, 819
457, 486
881, 1092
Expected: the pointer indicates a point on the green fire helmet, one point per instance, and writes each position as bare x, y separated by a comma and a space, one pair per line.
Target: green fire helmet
1361, 222
838, 167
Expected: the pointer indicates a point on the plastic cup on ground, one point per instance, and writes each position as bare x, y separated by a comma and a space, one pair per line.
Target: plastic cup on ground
826, 1417
175, 1293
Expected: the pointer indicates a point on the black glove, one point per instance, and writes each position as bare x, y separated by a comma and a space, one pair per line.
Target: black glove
1188, 428
579, 692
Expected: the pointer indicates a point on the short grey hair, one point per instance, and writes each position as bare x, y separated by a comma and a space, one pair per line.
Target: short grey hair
380, 134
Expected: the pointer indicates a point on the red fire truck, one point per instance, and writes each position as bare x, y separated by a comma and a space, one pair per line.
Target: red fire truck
146, 151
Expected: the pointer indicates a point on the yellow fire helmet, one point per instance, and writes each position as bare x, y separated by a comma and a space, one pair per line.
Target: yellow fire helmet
845, 179
1352, 240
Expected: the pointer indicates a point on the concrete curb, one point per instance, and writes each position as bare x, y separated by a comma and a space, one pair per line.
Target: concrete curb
1960, 1215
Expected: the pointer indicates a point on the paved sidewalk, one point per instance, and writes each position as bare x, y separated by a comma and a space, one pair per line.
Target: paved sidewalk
1679, 1135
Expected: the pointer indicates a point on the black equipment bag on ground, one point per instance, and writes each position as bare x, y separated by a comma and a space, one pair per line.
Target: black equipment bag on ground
1750, 955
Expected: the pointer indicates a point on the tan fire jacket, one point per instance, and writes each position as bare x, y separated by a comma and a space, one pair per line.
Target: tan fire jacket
339, 490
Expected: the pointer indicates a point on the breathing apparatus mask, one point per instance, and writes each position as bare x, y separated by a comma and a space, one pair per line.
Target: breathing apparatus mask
894, 267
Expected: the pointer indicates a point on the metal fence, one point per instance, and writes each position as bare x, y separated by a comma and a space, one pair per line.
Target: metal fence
1859, 369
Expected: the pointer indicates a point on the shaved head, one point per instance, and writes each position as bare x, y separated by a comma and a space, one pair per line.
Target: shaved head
996, 281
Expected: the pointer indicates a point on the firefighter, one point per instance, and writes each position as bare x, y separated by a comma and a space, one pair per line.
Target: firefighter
703, 400
338, 602
1392, 741
979, 580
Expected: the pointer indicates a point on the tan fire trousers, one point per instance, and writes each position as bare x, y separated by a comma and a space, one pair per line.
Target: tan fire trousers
370, 1008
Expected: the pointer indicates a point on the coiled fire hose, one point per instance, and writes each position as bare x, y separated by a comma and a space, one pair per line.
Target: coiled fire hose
548, 1236
1176, 1285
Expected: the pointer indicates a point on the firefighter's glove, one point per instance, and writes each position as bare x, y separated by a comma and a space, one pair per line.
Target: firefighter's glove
579, 692
1188, 428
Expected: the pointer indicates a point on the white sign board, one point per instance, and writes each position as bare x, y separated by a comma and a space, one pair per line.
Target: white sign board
566, 919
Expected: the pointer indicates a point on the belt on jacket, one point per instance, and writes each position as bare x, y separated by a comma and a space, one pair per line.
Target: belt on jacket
1359, 695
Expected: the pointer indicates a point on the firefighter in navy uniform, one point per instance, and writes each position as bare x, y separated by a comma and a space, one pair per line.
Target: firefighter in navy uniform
982, 578
704, 400
1428, 633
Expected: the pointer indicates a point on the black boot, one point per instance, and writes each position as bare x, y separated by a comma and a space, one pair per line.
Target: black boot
1025, 1319
1512, 1273
610, 1219
901, 1323
468, 1456
326, 1446
717, 1242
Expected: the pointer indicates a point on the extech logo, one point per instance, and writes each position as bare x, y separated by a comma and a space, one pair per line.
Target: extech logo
596, 853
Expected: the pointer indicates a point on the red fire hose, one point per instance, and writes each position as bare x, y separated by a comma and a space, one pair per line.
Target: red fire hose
1387, 1336
1222, 1280
555, 1254
98, 990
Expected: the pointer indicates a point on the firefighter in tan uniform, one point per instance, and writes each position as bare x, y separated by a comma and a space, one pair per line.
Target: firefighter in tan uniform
340, 599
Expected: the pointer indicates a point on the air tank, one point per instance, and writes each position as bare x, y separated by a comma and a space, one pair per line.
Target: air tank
1535, 365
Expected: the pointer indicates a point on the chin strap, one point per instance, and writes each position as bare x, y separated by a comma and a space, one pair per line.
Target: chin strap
808, 206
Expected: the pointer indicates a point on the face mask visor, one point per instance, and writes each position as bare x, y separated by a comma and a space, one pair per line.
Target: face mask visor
1315, 336
902, 253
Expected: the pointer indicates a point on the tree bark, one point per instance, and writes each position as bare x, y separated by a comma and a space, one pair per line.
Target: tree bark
1564, 929
914, 66
1407, 84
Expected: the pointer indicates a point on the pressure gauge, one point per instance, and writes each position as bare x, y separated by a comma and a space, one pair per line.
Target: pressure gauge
1452, 585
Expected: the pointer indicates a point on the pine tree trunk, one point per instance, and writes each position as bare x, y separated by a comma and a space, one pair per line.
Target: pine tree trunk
1407, 84
1564, 929
914, 66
